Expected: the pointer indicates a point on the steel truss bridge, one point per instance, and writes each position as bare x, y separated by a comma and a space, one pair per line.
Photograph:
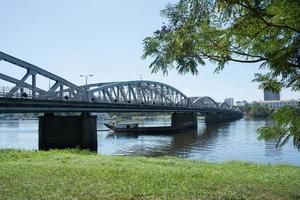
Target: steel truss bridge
129, 96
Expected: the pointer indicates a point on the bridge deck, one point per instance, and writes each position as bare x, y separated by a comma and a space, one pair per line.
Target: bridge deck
10, 105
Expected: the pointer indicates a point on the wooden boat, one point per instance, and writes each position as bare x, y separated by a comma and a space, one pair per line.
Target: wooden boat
157, 130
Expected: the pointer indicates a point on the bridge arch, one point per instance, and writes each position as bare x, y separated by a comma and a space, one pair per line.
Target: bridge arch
234, 108
204, 102
31, 86
138, 92
224, 106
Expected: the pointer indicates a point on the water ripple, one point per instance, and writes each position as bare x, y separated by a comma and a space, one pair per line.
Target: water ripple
222, 142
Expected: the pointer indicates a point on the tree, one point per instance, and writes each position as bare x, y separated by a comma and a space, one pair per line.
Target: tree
221, 31
287, 127
245, 108
258, 111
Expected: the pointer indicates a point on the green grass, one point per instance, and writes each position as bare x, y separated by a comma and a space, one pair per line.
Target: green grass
74, 174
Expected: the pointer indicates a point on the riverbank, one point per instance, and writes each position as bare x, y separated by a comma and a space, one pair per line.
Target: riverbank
75, 174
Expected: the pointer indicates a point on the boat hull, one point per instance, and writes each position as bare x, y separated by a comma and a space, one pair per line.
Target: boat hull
158, 130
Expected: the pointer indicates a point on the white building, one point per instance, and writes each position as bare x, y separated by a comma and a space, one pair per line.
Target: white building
269, 95
279, 103
229, 101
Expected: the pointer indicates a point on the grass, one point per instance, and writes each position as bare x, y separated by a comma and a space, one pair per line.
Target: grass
74, 174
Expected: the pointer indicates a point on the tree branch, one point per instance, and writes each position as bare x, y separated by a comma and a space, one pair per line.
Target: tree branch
259, 16
222, 59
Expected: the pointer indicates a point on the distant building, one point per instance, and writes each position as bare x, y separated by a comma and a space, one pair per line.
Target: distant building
229, 101
279, 103
238, 103
241, 103
270, 95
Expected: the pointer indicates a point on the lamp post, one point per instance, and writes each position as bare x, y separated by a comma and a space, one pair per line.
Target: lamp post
86, 76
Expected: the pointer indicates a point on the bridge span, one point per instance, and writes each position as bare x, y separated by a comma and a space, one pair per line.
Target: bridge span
27, 95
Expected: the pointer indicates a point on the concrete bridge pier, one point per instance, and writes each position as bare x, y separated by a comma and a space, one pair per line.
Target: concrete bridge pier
178, 118
60, 132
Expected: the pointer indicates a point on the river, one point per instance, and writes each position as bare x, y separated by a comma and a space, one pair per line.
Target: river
235, 140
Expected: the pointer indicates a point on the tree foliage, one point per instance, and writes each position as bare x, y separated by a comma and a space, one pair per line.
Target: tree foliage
245, 31
221, 31
287, 127
257, 111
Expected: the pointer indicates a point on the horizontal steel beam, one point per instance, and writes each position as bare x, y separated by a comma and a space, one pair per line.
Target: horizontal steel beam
9, 105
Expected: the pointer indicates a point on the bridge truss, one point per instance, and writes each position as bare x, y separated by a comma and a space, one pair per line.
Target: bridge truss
147, 93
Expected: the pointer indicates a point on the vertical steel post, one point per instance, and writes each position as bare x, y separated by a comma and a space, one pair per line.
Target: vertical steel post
61, 88
33, 86
22, 91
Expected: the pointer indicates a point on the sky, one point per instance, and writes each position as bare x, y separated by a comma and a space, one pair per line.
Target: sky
105, 38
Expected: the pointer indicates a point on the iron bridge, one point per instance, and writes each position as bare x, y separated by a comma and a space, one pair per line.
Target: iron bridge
128, 96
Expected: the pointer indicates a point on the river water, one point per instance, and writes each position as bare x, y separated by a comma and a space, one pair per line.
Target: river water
223, 142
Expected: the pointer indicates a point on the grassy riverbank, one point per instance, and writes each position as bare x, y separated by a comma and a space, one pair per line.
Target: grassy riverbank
82, 175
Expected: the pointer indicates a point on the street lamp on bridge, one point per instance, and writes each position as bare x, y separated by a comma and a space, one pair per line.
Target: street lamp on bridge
86, 76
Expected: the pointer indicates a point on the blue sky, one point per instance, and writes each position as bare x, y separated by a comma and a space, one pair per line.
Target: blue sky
104, 38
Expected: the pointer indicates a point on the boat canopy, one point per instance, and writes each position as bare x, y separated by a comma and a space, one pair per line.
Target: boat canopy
135, 125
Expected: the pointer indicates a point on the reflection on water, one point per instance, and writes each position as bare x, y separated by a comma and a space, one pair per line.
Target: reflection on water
9, 124
221, 142
21, 134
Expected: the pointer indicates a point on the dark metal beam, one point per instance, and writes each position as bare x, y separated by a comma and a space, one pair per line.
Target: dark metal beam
9, 105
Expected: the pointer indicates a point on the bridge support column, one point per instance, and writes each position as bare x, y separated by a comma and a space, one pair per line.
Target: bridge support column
180, 118
60, 132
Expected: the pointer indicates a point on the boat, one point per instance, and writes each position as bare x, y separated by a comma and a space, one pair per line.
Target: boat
156, 130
